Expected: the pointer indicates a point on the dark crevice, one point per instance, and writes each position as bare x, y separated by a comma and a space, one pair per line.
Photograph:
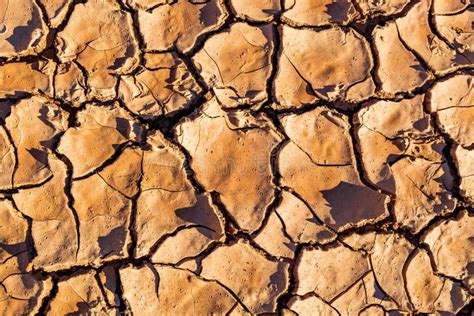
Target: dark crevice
15, 154
418, 57
171, 234
275, 63
70, 197
102, 289
377, 283
447, 151
30, 243
432, 24
404, 274
283, 300
230, 224
121, 147
357, 156
124, 307
132, 229
45, 304
167, 124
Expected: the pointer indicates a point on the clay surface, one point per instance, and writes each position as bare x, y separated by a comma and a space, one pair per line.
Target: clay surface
236, 157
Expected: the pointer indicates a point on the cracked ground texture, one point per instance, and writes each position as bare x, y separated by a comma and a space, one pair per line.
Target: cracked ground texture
231, 157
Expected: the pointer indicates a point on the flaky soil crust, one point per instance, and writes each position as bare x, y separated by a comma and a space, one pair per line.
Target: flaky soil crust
230, 157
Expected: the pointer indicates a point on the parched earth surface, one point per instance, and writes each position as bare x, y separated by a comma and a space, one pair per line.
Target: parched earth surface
193, 157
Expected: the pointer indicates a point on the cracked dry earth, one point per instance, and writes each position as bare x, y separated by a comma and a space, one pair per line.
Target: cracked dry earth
193, 157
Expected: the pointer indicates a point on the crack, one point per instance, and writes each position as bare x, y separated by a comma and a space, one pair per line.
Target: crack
315, 92
437, 273
26, 186
467, 7
438, 219
299, 197
173, 233
158, 101
386, 312
274, 63
200, 256
366, 26
285, 231
377, 283
232, 231
225, 22
404, 275
68, 191
136, 30
284, 298
216, 64
348, 288
44, 307
30, 242
232, 293
234, 307
418, 57
85, 75
317, 163
12, 256
102, 289
15, 154
419, 189
245, 73
306, 26
230, 225
276, 200
433, 28
357, 157
43, 13
132, 229
447, 151
121, 147
123, 304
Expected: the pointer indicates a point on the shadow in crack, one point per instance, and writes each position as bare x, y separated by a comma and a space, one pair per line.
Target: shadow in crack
338, 11
206, 232
271, 11
209, 14
422, 124
111, 279
457, 295
123, 126
120, 61
326, 90
351, 203
18, 252
43, 116
470, 265
278, 281
40, 156
201, 213
113, 242
421, 70
28, 281
22, 35
156, 278
13, 249
82, 309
